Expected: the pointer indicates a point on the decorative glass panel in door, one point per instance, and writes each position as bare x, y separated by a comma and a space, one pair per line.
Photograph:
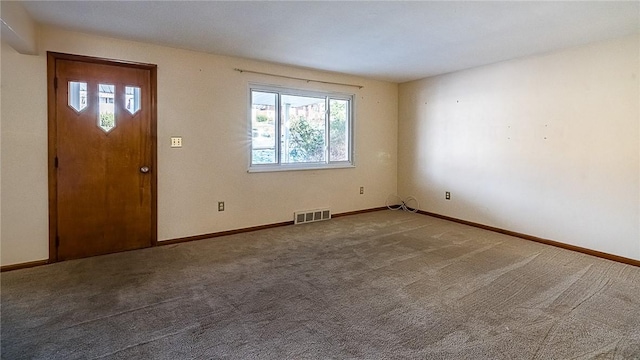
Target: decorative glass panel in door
106, 113
132, 99
77, 95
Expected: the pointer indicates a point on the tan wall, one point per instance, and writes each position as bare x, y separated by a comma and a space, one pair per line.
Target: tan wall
202, 99
547, 145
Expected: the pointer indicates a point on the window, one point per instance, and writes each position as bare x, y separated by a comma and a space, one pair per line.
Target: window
295, 129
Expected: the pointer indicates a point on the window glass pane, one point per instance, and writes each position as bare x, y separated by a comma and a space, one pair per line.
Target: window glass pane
106, 113
299, 129
302, 129
132, 99
78, 95
263, 128
339, 130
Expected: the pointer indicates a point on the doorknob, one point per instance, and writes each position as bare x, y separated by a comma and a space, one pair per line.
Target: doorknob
144, 169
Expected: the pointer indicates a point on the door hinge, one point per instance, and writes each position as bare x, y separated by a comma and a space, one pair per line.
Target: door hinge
57, 241
55, 162
55, 82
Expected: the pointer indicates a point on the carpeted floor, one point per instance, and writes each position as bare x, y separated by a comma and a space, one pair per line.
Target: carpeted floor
381, 285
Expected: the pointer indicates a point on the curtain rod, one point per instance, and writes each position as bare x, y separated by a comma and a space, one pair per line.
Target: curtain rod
297, 78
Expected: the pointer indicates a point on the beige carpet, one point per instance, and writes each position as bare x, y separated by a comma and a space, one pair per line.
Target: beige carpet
382, 285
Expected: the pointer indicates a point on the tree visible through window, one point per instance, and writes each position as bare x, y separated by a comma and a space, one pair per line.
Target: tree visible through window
299, 129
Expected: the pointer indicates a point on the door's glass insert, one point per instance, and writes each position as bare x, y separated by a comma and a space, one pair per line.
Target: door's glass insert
132, 99
106, 115
78, 95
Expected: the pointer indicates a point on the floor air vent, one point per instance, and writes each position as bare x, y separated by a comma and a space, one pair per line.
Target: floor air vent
301, 217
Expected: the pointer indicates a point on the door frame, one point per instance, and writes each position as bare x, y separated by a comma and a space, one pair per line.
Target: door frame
52, 138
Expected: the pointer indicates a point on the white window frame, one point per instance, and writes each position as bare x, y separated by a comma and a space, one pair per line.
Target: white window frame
327, 164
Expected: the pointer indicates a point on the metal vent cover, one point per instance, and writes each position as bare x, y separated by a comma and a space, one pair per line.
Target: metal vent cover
306, 216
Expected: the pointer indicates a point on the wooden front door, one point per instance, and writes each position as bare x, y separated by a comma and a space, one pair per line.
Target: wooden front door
102, 156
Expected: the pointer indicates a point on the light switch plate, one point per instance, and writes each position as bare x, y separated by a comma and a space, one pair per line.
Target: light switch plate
176, 141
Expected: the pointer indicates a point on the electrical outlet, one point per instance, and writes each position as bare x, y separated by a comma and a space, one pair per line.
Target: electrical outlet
361, 190
176, 141
447, 195
220, 205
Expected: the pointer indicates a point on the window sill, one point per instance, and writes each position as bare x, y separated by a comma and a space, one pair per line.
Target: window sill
298, 167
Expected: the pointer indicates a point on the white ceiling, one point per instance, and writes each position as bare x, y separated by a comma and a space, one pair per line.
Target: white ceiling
388, 40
